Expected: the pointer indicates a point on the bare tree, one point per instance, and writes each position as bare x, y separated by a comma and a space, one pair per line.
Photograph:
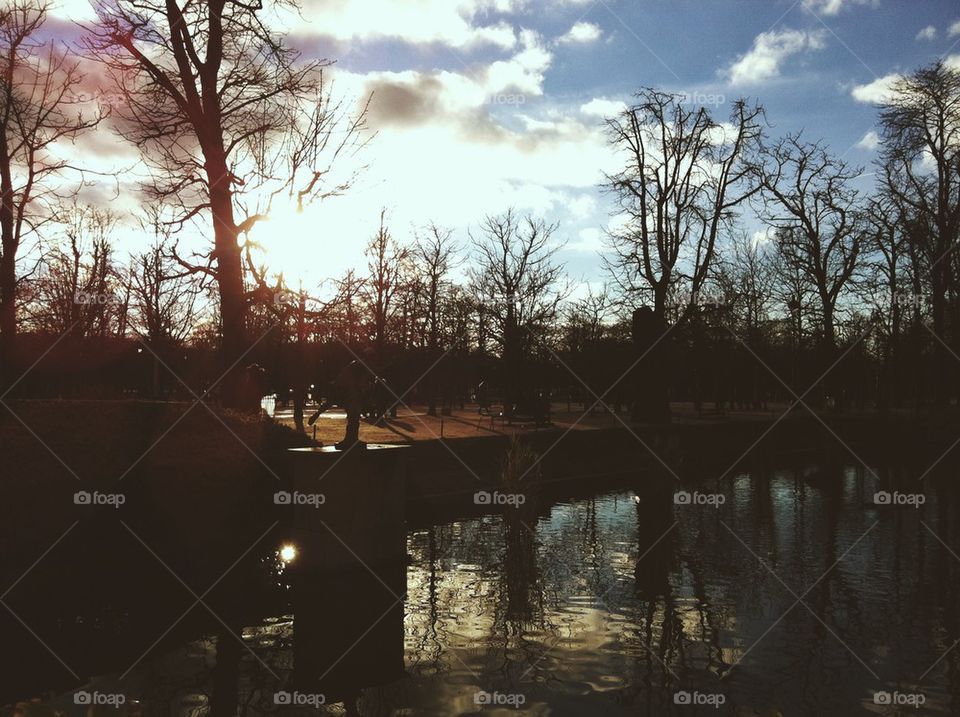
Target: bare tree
78, 291
163, 301
747, 278
435, 256
521, 288
226, 118
810, 201
921, 155
683, 177
39, 88
385, 260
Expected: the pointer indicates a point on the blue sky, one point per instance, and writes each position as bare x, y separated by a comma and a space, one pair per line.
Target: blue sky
484, 104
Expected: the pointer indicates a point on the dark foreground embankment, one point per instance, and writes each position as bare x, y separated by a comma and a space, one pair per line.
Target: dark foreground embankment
198, 516
190, 478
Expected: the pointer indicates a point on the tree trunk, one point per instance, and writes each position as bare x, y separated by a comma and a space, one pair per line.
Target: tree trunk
8, 270
233, 306
939, 310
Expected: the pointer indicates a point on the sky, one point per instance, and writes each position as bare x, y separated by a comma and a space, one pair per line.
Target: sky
481, 105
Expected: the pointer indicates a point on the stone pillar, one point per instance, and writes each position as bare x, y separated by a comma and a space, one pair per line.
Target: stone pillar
348, 631
348, 506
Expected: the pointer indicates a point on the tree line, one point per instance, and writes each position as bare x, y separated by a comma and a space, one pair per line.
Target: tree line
849, 297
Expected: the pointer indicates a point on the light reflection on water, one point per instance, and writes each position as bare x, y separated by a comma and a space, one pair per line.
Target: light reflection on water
796, 596
738, 600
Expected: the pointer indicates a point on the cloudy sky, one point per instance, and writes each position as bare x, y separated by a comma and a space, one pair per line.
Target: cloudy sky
484, 104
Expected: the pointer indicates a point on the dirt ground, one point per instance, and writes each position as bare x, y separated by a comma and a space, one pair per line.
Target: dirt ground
413, 424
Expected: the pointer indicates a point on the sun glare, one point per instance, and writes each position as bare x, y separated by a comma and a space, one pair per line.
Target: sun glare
308, 246
288, 553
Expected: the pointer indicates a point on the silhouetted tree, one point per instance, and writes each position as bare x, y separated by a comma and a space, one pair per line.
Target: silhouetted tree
435, 258
921, 155
521, 288
385, 264
39, 94
810, 201
227, 118
78, 290
684, 176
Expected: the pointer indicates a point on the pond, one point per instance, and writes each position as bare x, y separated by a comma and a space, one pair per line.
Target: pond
783, 591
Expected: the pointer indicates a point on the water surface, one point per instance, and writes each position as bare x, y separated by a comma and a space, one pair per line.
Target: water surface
798, 595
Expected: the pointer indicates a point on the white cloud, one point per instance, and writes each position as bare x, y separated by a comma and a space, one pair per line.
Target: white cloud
833, 7
589, 241
768, 53
460, 24
603, 108
954, 29
875, 92
78, 10
763, 236
927, 33
582, 206
870, 141
455, 23
524, 71
447, 151
581, 33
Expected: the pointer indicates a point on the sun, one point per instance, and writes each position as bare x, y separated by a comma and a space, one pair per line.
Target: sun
307, 246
